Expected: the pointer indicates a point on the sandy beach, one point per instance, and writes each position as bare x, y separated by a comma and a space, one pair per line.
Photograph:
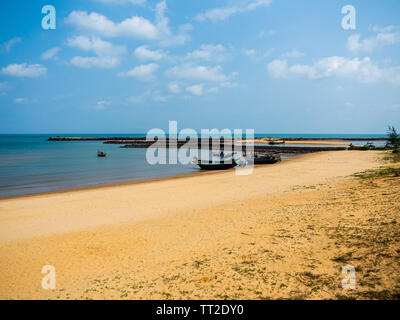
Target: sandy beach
304, 142
285, 231
318, 142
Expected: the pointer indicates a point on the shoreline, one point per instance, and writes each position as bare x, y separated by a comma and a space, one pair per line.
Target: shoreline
107, 185
133, 182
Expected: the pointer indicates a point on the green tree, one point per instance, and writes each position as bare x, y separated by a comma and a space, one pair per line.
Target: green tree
393, 138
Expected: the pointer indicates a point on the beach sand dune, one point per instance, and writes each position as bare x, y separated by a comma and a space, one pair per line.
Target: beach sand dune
283, 232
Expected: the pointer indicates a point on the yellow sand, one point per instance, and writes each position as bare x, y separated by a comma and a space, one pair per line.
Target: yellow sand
303, 142
216, 235
318, 142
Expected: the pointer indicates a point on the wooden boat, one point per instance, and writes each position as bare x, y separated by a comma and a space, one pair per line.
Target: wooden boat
275, 142
267, 158
101, 154
221, 165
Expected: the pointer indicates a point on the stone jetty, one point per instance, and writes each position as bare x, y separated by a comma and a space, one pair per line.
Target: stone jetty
225, 144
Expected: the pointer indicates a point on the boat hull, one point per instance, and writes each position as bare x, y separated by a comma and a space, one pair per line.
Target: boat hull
268, 159
216, 166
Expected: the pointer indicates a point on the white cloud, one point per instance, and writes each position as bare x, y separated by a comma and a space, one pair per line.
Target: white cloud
229, 84
292, 54
50, 54
250, 52
24, 100
24, 70
185, 27
166, 37
212, 90
220, 14
258, 55
108, 55
174, 87
267, 33
160, 98
137, 27
196, 90
144, 72
192, 71
21, 100
217, 14
98, 46
7, 46
381, 39
385, 29
92, 62
102, 104
208, 52
143, 53
362, 70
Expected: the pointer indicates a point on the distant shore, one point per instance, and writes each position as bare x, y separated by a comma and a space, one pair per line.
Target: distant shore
265, 144
59, 138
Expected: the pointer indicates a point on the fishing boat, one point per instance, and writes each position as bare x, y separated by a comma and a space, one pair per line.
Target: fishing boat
209, 165
267, 158
275, 142
222, 164
101, 154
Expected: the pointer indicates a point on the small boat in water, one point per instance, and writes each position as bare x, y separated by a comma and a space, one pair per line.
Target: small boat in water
101, 154
221, 164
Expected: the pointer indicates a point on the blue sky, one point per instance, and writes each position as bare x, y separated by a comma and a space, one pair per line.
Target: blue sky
127, 66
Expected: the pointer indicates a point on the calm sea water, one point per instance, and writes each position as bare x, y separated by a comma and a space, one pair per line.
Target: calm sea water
29, 164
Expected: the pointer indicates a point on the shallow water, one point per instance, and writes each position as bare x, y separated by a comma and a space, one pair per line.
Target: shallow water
30, 164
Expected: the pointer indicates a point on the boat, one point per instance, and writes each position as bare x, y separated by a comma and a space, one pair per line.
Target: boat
267, 158
221, 165
275, 142
101, 154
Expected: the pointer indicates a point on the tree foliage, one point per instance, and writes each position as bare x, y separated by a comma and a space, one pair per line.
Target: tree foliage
393, 137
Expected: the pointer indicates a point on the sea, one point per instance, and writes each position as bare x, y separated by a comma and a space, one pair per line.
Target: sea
29, 164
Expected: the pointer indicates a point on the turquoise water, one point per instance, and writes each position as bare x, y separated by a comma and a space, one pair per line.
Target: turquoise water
29, 164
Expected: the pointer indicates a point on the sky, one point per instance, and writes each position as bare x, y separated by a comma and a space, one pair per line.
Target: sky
128, 66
